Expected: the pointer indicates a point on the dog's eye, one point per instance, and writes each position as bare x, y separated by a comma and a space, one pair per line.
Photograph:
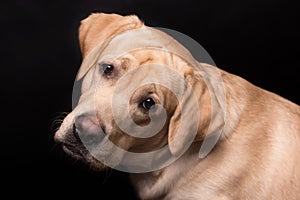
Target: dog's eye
107, 69
148, 103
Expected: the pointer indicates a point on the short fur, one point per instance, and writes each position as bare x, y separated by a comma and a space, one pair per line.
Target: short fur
257, 157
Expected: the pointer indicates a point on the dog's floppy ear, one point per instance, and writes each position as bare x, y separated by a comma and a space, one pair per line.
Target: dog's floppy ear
186, 125
99, 27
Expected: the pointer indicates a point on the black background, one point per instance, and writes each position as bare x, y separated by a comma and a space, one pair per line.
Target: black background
40, 56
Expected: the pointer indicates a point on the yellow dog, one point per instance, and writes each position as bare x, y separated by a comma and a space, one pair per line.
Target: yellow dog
257, 155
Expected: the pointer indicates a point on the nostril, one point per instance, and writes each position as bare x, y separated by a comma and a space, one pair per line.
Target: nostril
87, 130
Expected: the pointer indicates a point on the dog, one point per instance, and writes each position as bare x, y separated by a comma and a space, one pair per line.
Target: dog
256, 155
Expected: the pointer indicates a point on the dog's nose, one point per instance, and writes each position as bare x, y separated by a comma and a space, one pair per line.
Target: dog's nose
88, 129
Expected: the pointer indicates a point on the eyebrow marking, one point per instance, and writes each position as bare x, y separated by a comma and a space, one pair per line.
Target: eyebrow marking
147, 60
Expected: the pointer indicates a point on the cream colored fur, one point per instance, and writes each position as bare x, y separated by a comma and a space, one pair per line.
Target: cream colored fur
257, 157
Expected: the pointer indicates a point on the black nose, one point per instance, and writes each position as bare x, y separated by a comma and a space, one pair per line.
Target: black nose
88, 130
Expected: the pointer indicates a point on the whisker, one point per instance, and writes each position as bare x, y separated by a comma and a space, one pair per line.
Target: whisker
108, 173
57, 121
54, 147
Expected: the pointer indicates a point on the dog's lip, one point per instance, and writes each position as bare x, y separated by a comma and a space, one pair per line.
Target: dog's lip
73, 150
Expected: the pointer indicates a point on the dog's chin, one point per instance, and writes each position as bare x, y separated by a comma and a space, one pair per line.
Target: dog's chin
84, 156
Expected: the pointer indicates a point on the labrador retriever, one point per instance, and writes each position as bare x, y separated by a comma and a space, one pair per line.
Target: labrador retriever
131, 68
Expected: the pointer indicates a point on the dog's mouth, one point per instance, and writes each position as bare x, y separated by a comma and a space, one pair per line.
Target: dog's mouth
74, 147
84, 156
74, 150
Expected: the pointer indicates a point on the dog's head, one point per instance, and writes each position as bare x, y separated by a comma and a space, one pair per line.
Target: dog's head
133, 93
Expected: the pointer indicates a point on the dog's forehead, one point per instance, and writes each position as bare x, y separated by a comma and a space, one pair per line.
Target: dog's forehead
133, 40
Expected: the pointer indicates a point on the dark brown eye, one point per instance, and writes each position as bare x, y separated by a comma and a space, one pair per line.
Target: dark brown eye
107, 69
148, 103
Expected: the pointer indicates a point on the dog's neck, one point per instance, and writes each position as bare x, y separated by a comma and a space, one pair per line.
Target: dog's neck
155, 185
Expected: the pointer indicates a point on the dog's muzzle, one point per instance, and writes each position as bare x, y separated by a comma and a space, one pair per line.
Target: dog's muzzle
85, 133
